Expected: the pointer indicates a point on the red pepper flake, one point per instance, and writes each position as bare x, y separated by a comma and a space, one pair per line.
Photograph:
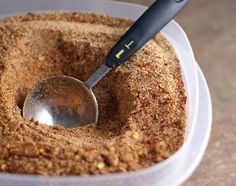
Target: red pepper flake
145, 65
142, 158
184, 102
149, 156
162, 110
144, 102
166, 62
180, 84
185, 99
147, 52
156, 94
166, 101
146, 157
150, 141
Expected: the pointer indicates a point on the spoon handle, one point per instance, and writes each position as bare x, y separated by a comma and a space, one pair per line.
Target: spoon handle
160, 13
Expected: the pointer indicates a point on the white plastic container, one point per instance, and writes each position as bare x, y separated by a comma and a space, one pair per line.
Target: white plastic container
176, 169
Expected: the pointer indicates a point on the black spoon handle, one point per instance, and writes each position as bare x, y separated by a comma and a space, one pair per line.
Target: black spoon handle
159, 14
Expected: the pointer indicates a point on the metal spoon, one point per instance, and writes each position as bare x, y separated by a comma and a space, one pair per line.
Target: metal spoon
66, 101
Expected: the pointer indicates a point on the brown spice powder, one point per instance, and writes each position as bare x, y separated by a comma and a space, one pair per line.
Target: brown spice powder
142, 103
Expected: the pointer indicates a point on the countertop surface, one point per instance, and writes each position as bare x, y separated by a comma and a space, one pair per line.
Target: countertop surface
211, 28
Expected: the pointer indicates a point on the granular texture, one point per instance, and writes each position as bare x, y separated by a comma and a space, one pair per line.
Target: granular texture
142, 115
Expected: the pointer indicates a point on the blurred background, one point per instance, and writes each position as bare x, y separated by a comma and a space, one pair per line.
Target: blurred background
211, 28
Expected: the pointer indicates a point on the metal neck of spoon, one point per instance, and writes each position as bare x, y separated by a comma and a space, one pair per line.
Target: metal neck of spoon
97, 76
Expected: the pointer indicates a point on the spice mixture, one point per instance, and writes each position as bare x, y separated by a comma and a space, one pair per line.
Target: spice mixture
142, 103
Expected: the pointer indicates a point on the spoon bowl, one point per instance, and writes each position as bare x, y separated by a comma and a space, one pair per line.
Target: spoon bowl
61, 100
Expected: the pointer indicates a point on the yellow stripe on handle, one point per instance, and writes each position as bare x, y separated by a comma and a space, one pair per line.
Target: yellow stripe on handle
129, 45
120, 53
